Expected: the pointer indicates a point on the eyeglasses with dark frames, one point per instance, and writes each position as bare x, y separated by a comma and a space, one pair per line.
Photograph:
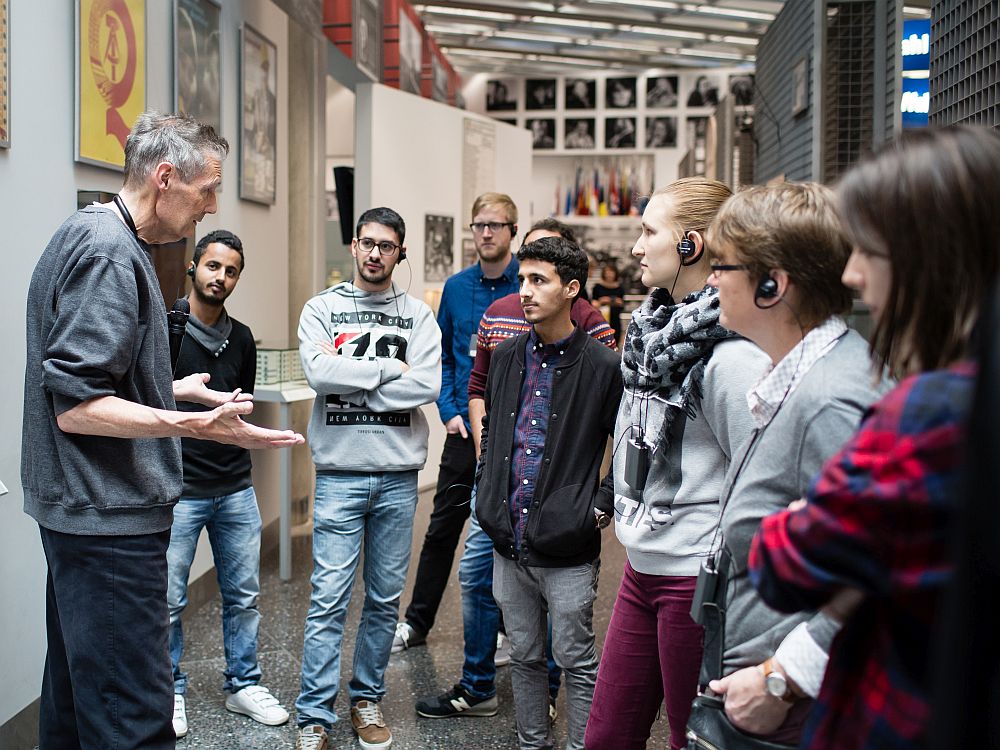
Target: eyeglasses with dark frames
478, 227
720, 267
386, 249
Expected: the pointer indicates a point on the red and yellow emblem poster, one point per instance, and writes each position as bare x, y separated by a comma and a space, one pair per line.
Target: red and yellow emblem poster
111, 77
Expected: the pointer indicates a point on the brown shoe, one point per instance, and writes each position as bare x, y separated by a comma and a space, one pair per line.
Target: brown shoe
311, 737
372, 732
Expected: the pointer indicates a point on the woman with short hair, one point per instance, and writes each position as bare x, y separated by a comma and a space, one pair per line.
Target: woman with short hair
778, 254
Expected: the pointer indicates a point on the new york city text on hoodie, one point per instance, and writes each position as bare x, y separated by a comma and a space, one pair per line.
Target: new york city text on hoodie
367, 414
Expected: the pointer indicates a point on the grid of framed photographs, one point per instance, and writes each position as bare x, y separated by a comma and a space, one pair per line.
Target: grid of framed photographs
614, 113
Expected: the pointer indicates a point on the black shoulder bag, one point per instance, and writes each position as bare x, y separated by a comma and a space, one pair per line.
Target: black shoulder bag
708, 726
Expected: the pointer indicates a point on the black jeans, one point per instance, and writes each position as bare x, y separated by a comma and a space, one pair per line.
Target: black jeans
107, 681
451, 510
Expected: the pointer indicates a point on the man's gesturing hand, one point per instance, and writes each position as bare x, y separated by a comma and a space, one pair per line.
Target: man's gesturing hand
225, 424
192, 388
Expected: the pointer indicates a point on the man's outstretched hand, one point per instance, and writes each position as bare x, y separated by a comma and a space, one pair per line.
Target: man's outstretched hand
193, 388
224, 424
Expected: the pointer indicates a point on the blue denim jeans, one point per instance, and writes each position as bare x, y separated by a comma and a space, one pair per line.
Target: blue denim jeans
481, 616
233, 524
354, 507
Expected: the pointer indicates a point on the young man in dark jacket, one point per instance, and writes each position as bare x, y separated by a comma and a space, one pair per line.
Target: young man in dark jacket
551, 400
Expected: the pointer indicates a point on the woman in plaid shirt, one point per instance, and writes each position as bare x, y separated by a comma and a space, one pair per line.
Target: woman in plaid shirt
874, 530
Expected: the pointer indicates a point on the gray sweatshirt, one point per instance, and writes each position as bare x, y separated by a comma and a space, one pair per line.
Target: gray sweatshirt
817, 418
96, 326
668, 531
367, 414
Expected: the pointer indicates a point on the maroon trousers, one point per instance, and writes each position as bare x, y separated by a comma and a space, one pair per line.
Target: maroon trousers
652, 654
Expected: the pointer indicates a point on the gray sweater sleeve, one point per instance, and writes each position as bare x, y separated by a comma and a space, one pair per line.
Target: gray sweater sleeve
89, 346
326, 373
730, 374
422, 383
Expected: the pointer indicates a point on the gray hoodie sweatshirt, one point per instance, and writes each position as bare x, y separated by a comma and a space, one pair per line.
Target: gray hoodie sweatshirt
367, 413
668, 530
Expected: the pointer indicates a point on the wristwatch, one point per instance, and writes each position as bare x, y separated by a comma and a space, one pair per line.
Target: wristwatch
602, 518
776, 683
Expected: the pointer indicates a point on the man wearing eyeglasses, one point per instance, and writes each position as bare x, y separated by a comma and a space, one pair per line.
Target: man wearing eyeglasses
466, 296
372, 353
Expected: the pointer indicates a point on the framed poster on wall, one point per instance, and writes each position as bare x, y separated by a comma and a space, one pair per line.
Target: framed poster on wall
4, 73
258, 116
366, 36
439, 255
110, 77
198, 61
410, 54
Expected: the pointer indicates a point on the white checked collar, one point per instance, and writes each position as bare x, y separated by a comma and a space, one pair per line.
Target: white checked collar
779, 382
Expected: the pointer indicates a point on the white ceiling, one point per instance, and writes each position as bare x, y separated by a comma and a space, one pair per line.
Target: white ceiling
530, 38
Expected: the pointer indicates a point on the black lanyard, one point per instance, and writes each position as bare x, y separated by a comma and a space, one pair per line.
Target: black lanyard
127, 217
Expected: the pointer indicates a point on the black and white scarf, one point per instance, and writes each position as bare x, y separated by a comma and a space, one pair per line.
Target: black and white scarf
666, 348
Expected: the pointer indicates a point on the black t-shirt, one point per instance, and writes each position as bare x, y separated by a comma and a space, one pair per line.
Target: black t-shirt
212, 469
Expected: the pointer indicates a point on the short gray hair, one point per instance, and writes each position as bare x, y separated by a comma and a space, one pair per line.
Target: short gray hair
178, 139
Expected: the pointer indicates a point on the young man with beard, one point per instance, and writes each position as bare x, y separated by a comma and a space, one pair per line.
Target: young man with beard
218, 490
551, 400
465, 298
475, 693
373, 355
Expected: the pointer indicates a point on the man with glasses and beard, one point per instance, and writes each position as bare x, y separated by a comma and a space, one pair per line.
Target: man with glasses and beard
372, 353
465, 298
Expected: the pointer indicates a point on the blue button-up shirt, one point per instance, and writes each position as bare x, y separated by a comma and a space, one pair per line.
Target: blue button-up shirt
465, 298
531, 427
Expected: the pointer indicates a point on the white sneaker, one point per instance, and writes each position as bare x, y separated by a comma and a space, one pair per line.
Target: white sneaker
502, 657
180, 716
257, 702
406, 637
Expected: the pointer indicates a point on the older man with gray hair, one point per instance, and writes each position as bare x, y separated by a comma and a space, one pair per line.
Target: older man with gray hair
100, 458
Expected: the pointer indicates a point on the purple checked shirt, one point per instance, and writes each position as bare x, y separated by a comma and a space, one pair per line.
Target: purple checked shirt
540, 361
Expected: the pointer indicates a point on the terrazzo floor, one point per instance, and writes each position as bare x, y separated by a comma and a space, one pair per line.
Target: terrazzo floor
422, 671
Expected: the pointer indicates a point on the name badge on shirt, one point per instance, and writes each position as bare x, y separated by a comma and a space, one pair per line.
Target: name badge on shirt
473, 341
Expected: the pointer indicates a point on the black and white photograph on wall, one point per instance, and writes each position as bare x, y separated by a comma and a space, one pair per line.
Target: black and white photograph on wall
258, 116
439, 78
619, 93
469, 254
543, 132
697, 128
540, 93
367, 38
619, 132
661, 92
439, 258
410, 52
741, 89
198, 61
500, 96
581, 93
704, 93
579, 132
661, 132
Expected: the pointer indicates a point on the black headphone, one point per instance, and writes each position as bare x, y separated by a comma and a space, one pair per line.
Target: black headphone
190, 271
688, 251
402, 254
767, 288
